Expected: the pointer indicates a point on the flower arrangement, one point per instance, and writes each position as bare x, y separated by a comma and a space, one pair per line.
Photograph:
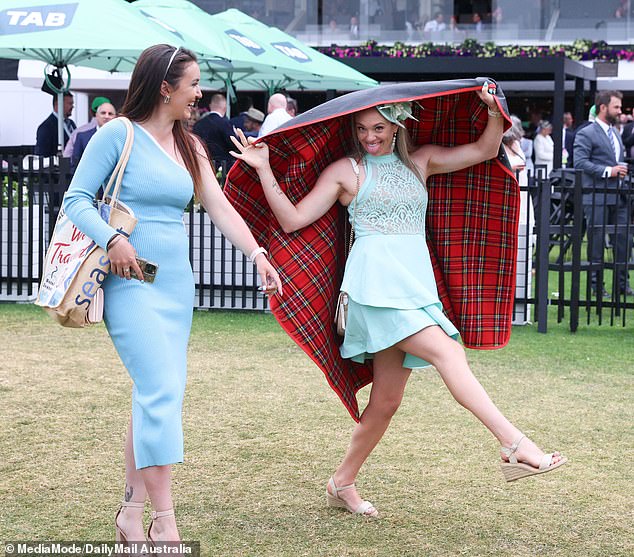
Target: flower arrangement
581, 49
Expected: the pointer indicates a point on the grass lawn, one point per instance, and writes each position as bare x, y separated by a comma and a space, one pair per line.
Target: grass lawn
263, 432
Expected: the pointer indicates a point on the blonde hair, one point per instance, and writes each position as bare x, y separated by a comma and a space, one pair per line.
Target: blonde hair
515, 132
403, 147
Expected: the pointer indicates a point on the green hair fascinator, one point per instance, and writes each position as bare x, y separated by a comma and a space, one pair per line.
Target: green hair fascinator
396, 112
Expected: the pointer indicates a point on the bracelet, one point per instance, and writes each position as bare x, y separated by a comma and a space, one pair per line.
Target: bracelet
113, 241
257, 251
494, 113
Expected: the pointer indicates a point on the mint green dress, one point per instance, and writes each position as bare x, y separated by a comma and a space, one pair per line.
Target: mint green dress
389, 276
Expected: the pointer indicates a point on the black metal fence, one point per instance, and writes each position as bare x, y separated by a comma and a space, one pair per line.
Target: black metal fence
553, 269
564, 263
32, 191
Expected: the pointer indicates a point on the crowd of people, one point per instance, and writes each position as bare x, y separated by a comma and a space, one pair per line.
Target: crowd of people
530, 148
209, 122
600, 147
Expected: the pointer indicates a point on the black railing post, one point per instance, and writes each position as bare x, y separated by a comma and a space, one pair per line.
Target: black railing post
20, 237
543, 240
9, 206
577, 239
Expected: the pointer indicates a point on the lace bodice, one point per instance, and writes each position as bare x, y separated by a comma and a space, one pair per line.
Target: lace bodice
391, 200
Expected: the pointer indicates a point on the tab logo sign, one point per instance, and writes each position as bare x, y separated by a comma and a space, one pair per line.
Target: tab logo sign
290, 50
245, 41
38, 18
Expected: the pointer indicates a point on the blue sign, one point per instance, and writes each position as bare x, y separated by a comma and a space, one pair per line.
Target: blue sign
245, 41
292, 51
38, 18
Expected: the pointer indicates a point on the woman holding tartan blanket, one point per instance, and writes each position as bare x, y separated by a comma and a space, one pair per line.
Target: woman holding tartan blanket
395, 317
149, 322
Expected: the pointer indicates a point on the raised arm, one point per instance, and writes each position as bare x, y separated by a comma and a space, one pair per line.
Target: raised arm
231, 224
336, 182
434, 159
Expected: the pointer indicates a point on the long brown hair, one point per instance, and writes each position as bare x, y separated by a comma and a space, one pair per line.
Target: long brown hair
403, 147
144, 95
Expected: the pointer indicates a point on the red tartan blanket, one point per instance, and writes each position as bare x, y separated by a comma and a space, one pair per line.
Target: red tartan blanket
472, 222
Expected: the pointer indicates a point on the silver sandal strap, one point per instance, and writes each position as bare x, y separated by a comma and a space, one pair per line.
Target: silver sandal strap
161, 514
133, 504
510, 451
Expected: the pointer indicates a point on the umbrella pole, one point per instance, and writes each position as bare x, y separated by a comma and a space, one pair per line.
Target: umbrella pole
231, 95
60, 121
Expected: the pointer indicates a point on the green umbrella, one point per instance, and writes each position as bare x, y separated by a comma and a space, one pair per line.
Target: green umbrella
296, 66
261, 57
187, 19
107, 34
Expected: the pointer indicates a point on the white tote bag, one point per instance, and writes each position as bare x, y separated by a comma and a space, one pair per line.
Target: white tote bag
75, 266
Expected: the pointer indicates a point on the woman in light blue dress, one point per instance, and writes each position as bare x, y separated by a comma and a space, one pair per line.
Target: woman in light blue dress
149, 323
394, 315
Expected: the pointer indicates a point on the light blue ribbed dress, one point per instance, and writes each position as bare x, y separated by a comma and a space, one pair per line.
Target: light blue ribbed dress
149, 323
389, 277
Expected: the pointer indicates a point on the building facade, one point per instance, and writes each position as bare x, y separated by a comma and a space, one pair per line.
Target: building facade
320, 22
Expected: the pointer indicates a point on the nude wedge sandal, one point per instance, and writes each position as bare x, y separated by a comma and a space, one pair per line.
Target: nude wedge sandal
514, 469
365, 508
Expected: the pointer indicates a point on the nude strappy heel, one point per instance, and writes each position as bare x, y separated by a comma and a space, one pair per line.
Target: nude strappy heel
120, 536
514, 470
365, 507
156, 515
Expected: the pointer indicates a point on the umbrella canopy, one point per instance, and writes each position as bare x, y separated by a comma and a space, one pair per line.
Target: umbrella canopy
471, 224
260, 57
108, 35
292, 64
187, 19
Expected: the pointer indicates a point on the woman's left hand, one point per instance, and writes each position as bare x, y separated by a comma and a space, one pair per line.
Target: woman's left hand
254, 154
269, 278
486, 97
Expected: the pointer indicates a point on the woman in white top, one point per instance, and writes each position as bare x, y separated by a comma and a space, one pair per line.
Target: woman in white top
544, 147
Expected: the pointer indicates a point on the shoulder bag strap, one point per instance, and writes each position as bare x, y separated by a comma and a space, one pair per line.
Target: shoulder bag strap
355, 167
119, 169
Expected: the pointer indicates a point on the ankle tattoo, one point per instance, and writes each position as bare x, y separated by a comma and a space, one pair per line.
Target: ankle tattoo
129, 490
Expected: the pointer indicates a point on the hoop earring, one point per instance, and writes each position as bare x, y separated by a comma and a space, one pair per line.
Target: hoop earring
166, 99
393, 142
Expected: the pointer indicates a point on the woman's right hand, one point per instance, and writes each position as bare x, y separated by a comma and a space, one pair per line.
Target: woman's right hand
123, 259
255, 155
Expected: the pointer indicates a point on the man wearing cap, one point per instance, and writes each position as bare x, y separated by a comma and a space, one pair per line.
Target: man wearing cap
253, 119
104, 113
94, 106
46, 143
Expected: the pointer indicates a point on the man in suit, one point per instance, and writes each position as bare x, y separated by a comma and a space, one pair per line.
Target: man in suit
599, 153
244, 104
215, 130
627, 135
105, 112
46, 144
